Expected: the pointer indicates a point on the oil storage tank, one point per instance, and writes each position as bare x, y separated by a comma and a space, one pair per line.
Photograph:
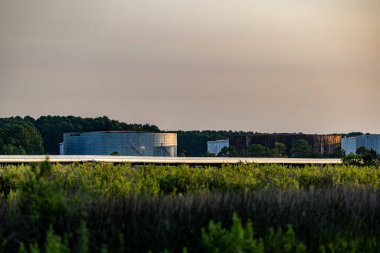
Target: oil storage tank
320, 144
126, 143
369, 141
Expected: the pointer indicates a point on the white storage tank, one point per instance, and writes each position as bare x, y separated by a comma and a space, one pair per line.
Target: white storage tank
369, 141
214, 147
124, 143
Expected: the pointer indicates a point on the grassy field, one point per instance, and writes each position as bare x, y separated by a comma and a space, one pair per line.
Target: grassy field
245, 208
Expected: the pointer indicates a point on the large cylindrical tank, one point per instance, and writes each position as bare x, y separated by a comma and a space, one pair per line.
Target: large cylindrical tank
370, 141
321, 144
120, 142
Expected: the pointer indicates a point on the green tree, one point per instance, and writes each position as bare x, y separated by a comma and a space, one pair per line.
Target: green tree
258, 150
372, 158
339, 152
369, 157
228, 152
239, 238
208, 154
301, 149
352, 159
19, 137
362, 151
279, 149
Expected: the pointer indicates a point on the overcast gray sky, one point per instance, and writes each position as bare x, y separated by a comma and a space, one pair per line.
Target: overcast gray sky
260, 65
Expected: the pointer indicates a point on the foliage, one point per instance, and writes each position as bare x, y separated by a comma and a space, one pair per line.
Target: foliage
352, 134
121, 180
283, 242
41, 202
19, 137
7, 184
352, 159
339, 152
302, 149
364, 157
228, 152
115, 153
207, 154
257, 150
369, 157
239, 239
279, 149
332, 208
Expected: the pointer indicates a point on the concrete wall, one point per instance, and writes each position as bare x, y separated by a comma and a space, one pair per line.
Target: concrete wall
350, 145
214, 147
124, 143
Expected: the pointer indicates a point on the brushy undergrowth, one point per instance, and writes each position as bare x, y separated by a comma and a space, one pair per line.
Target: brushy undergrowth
121, 180
158, 208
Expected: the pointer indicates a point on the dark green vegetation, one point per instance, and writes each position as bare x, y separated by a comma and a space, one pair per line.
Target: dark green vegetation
257, 150
363, 156
107, 208
18, 136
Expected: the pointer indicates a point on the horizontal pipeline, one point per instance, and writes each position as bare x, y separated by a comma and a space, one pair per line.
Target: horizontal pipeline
164, 160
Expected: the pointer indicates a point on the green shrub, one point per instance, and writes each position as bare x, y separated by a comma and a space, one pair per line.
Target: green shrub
238, 239
283, 242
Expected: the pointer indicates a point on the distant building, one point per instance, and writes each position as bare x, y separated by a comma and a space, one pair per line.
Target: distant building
351, 144
214, 147
321, 144
124, 143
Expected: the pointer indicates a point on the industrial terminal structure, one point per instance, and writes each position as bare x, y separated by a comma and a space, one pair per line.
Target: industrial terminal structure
321, 144
371, 141
125, 143
214, 147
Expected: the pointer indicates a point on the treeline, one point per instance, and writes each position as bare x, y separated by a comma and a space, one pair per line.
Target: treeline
21, 136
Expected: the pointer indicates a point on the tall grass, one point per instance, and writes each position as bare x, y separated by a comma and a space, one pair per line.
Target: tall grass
121, 180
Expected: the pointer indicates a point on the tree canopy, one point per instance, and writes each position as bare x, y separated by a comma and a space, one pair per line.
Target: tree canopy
302, 149
19, 137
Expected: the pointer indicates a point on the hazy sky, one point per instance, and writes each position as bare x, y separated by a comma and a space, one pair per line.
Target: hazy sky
260, 65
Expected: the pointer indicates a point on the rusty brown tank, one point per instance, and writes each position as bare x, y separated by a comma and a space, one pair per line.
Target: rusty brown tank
321, 144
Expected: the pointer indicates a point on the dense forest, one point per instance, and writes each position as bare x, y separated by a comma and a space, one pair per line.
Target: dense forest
41, 136
19, 136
